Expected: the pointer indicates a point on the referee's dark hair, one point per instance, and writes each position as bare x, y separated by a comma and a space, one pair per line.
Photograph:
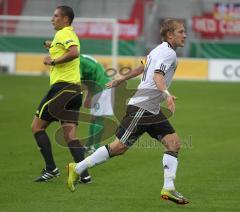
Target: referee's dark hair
67, 11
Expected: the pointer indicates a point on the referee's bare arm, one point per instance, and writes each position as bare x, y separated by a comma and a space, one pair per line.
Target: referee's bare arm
71, 54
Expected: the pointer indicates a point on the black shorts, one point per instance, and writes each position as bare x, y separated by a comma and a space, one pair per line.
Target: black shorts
138, 121
61, 103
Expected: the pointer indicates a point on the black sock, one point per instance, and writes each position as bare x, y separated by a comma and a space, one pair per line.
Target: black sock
45, 148
77, 151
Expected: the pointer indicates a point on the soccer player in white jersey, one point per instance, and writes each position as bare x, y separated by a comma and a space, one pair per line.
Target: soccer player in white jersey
144, 113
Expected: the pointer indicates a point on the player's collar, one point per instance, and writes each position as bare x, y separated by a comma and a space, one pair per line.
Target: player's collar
169, 45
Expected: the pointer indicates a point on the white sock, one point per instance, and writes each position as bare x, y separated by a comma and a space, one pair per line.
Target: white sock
99, 156
170, 164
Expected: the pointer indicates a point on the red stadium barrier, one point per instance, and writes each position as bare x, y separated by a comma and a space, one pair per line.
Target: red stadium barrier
10, 7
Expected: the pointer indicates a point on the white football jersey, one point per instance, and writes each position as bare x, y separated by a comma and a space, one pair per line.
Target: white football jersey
161, 59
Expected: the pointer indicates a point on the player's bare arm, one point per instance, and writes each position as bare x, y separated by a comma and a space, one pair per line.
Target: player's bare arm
161, 85
133, 73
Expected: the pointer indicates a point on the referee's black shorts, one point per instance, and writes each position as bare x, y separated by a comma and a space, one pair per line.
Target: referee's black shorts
61, 103
138, 121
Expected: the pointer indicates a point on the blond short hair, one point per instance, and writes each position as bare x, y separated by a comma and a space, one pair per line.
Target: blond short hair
169, 25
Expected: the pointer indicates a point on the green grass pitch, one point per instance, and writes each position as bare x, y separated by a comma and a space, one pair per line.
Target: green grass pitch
207, 120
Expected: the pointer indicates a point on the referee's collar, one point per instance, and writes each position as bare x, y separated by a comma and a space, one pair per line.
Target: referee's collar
68, 28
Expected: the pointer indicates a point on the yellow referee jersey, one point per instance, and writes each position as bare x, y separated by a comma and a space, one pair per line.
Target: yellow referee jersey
69, 71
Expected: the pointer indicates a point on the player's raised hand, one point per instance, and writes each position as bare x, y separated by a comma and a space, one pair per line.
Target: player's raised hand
113, 83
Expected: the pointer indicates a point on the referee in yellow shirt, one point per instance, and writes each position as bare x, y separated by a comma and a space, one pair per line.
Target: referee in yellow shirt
63, 100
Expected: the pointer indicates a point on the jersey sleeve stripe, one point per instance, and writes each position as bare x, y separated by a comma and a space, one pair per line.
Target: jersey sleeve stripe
159, 71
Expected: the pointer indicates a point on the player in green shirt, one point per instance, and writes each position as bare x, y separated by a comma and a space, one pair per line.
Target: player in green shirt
93, 76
